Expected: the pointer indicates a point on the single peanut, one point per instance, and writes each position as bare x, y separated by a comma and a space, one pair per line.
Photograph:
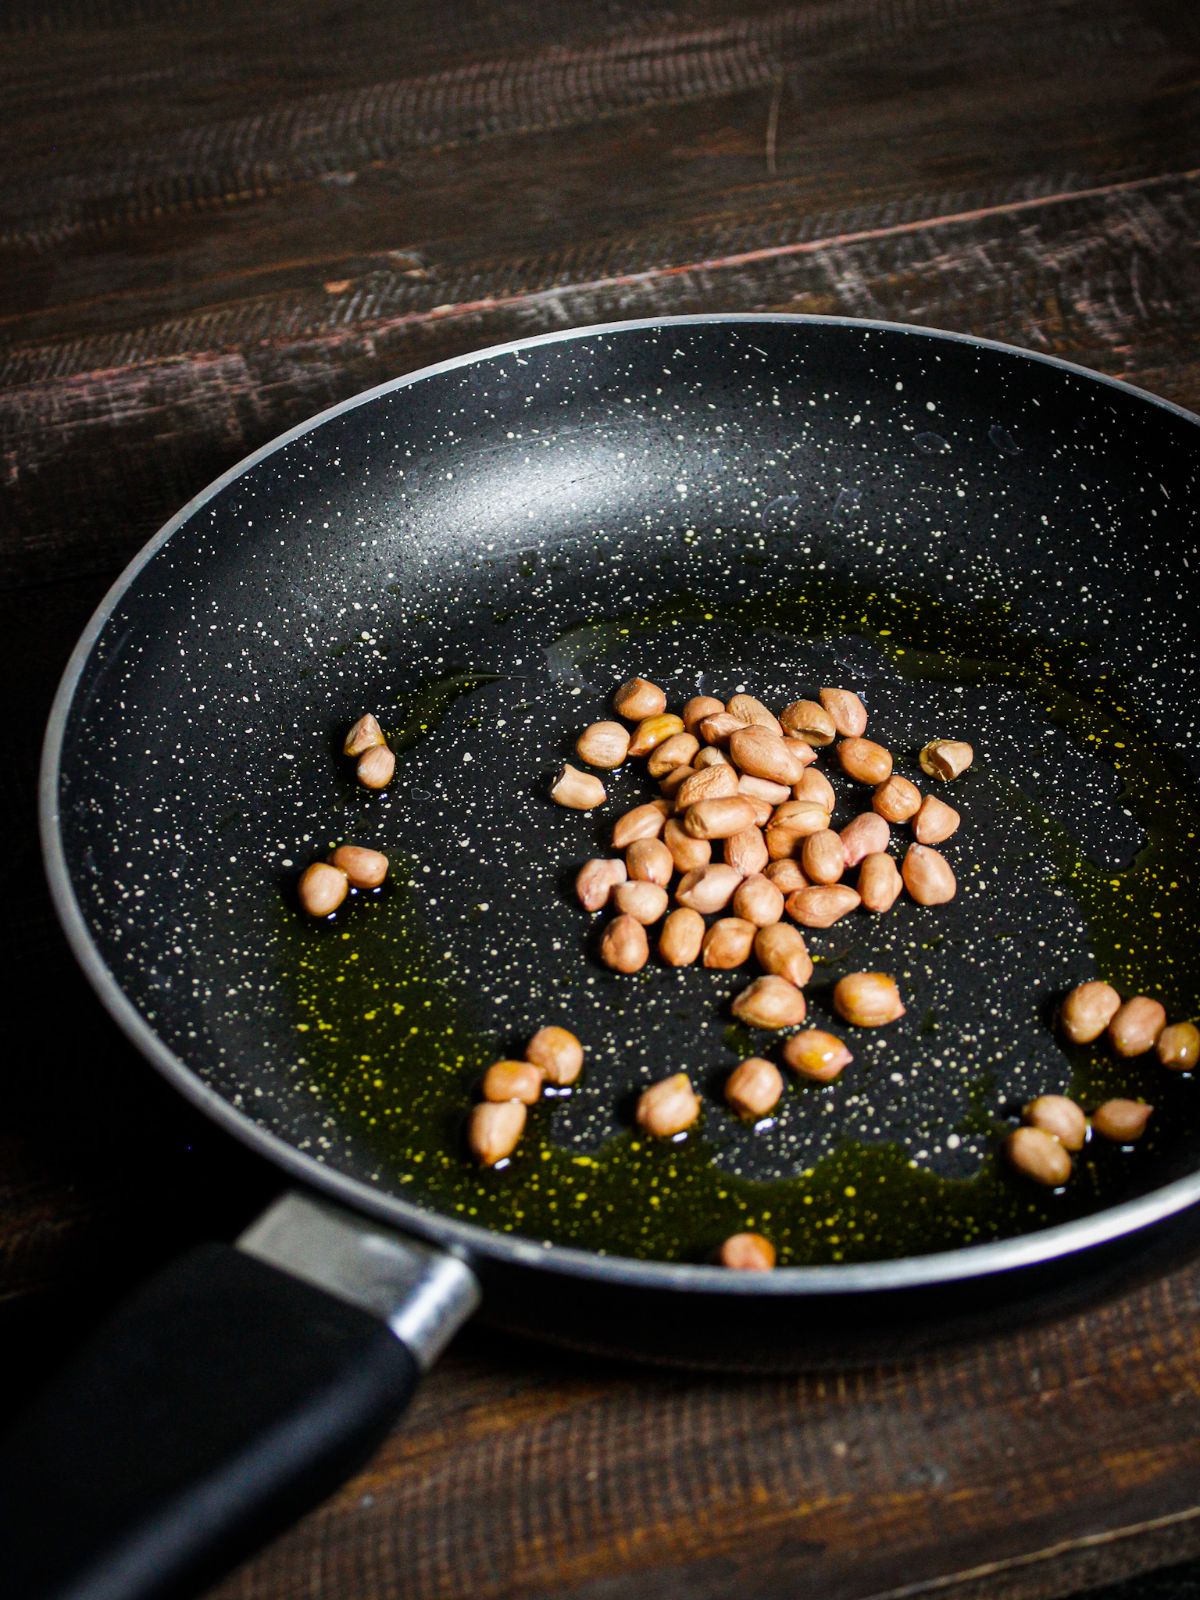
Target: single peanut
747, 1252
1178, 1046
866, 835
764, 789
708, 783
879, 882
747, 709
763, 754
747, 851
653, 731
681, 937
1038, 1155
668, 1107
708, 889
366, 734
817, 1055
757, 900
670, 785
1121, 1121
603, 744
896, 799
376, 767
935, 821
650, 861
762, 810
512, 1080
868, 999
810, 721
753, 1088
780, 949
1060, 1116
595, 881
322, 888
638, 698
624, 946
822, 857
717, 728
687, 853
815, 786
928, 876
1088, 1010
643, 901
1135, 1027
847, 710
557, 1053
643, 822
770, 1002
366, 869
699, 707
800, 748
821, 905
494, 1129
946, 758
717, 819
677, 751
578, 791
728, 943
865, 761
710, 755
787, 875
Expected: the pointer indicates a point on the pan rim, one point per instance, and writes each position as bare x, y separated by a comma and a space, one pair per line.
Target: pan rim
469, 1240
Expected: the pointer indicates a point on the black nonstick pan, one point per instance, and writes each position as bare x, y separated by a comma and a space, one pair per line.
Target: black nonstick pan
986, 544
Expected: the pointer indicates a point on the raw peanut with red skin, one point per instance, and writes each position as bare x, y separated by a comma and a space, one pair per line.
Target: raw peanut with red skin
753, 1088
650, 861
762, 810
935, 821
653, 731
494, 1129
676, 751
865, 761
322, 888
928, 876
847, 710
364, 735
512, 1080
757, 900
879, 882
896, 800
1178, 1046
603, 744
946, 758
1136, 1026
801, 749
557, 1054
596, 879
365, 869
822, 857
747, 709
728, 943
668, 1107
770, 1002
817, 1055
747, 851
708, 889
1038, 1155
718, 728
711, 756
1121, 1121
644, 902
687, 853
643, 822
1057, 1115
670, 786
764, 789
762, 754
815, 786
787, 875
708, 783
699, 707
1088, 1010
578, 791
638, 698
810, 721
624, 946
681, 937
717, 819
376, 768
866, 835
821, 905
747, 1252
868, 999
780, 949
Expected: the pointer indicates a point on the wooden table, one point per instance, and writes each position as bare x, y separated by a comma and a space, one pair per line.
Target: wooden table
214, 221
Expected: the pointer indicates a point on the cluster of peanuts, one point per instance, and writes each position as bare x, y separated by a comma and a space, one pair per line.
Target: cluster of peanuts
376, 764
1055, 1127
553, 1056
325, 884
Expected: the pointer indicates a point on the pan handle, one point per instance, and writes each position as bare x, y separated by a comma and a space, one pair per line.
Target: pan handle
234, 1391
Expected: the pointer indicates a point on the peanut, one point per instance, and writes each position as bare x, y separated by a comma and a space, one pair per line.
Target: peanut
1057, 1115
653, 731
868, 999
780, 949
822, 857
677, 751
322, 888
757, 900
687, 853
946, 758
816, 1054
643, 901
366, 869
866, 835
821, 905
717, 819
595, 881
638, 698
801, 749
512, 1080
709, 783
762, 810
896, 799
1178, 1046
366, 734
747, 851
764, 789
494, 1129
815, 786
935, 821
668, 1107
624, 946
747, 1252
728, 943
557, 1053
747, 709
710, 756
1088, 1010
681, 937
699, 707
650, 861
1121, 1121
643, 822
1135, 1027
879, 882
865, 761
717, 728
847, 710
928, 876
810, 721
579, 791
376, 767
603, 744
763, 754
1038, 1155
753, 1088
792, 822
708, 889
770, 1002
670, 786
786, 875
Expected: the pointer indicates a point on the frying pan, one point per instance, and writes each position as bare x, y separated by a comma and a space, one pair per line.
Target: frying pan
988, 544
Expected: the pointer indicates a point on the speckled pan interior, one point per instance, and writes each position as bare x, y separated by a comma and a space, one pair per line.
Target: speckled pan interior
984, 545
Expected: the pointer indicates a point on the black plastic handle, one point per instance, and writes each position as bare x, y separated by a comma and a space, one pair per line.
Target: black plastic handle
220, 1402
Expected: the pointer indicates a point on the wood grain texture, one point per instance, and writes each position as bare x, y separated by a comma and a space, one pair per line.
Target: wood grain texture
213, 224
